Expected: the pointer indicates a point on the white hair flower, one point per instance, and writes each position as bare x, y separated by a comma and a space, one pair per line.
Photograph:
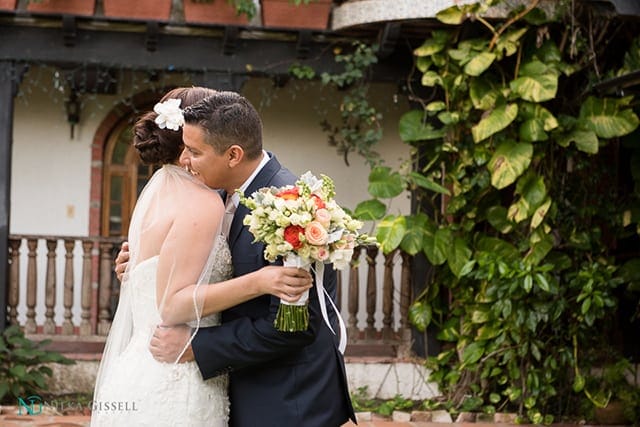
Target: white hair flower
169, 114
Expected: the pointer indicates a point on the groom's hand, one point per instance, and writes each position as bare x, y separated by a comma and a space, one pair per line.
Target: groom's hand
167, 343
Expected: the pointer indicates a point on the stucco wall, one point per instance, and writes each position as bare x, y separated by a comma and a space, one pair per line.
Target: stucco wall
50, 179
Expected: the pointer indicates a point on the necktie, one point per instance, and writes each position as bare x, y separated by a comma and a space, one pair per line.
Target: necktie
229, 211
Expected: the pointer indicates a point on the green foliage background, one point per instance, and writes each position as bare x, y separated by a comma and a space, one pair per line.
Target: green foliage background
517, 171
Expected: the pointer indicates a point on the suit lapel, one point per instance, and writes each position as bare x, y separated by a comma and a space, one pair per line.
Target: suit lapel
261, 180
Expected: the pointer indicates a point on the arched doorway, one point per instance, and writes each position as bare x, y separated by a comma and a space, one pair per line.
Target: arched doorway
123, 179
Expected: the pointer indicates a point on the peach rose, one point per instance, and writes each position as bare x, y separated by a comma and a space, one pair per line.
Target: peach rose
323, 217
316, 234
321, 253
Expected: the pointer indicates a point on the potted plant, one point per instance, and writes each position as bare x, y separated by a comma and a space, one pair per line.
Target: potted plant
72, 7
157, 10
23, 365
238, 12
298, 14
8, 4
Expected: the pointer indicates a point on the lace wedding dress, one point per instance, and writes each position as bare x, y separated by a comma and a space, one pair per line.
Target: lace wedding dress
139, 391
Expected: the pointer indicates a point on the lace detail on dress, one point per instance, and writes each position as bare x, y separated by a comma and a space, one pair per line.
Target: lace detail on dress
221, 270
140, 391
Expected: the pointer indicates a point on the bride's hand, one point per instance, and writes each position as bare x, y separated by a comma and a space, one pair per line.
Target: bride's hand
121, 260
287, 283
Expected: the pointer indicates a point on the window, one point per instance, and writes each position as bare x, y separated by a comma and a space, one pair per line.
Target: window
124, 178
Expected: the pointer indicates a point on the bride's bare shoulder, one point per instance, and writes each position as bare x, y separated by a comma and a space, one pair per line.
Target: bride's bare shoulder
203, 198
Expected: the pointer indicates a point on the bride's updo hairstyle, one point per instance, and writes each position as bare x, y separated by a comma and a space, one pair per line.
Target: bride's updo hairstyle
163, 146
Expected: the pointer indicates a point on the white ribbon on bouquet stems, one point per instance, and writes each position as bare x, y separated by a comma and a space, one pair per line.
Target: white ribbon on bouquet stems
292, 260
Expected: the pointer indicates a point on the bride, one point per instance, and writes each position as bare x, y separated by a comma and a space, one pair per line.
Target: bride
178, 272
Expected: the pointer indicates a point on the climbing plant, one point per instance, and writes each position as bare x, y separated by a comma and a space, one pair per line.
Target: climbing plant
520, 214
358, 128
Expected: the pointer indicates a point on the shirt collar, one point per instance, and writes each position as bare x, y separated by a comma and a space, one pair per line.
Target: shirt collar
265, 159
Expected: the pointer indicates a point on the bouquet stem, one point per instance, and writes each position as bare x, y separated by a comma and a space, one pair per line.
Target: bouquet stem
292, 317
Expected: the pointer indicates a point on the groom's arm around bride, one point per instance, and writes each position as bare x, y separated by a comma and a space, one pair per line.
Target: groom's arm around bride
276, 378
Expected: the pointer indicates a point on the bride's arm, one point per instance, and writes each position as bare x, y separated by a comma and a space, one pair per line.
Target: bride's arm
183, 257
287, 283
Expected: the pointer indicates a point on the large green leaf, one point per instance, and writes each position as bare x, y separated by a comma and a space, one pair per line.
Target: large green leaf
429, 47
508, 42
537, 82
538, 216
420, 315
537, 121
449, 117
548, 53
533, 192
585, 140
427, 183
412, 127
385, 184
390, 232
435, 106
449, 332
532, 130
483, 94
370, 210
509, 161
452, 15
423, 63
608, 117
431, 78
436, 244
414, 238
496, 121
479, 63
472, 353
499, 248
539, 249
18, 371
497, 217
458, 256
467, 50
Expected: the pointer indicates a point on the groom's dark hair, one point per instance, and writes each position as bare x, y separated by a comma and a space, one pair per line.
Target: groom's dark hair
227, 119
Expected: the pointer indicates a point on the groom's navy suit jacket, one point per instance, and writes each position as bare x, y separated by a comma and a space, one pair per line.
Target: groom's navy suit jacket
279, 379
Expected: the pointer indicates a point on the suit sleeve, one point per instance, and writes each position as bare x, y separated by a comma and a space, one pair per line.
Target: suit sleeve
251, 341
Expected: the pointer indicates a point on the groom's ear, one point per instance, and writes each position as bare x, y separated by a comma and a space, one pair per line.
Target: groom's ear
235, 154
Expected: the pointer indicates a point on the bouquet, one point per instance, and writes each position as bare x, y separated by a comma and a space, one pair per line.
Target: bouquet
304, 225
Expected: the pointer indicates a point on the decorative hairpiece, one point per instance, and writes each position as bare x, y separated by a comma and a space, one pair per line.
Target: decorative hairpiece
169, 114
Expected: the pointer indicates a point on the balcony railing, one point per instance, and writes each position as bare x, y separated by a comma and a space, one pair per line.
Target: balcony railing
63, 288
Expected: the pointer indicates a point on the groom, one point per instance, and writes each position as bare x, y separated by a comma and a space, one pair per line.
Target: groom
277, 379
